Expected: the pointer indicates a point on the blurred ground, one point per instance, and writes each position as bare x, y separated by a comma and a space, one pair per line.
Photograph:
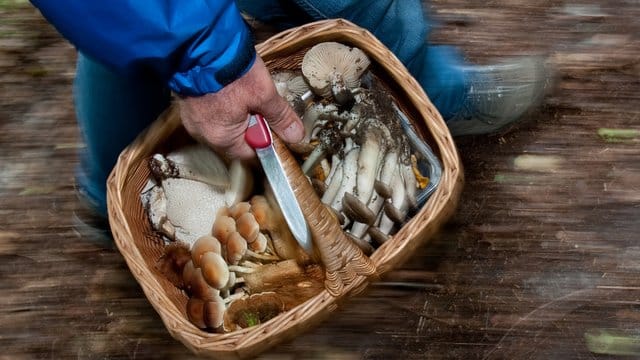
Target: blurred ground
541, 261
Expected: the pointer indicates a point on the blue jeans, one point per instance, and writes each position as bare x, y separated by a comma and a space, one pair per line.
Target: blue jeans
112, 109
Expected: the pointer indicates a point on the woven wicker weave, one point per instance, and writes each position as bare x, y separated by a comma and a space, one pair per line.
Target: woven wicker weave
345, 276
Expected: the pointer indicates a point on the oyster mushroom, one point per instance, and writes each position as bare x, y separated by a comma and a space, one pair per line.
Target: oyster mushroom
334, 69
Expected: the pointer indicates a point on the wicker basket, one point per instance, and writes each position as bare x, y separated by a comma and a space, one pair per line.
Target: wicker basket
141, 246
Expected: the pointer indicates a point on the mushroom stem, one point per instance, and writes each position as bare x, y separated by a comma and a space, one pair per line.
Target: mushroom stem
348, 181
333, 180
240, 183
241, 269
259, 256
398, 201
314, 158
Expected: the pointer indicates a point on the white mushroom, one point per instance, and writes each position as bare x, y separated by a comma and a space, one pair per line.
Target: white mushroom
194, 162
335, 69
348, 180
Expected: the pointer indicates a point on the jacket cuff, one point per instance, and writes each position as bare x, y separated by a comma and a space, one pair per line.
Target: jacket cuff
211, 78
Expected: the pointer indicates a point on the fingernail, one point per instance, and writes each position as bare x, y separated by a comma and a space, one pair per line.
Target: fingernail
294, 133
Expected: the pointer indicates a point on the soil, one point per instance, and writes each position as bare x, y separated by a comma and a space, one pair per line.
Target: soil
541, 259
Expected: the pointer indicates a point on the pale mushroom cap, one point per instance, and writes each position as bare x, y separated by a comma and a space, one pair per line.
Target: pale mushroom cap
222, 227
204, 244
289, 85
328, 60
248, 227
214, 270
236, 248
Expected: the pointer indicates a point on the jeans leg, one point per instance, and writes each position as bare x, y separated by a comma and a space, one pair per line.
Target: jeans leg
399, 24
111, 111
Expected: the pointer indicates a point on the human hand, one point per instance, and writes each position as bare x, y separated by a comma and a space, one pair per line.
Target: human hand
220, 119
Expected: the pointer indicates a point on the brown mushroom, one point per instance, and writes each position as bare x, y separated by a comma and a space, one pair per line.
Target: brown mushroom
248, 227
222, 227
236, 248
239, 209
214, 270
203, 245
195, 312
213, 312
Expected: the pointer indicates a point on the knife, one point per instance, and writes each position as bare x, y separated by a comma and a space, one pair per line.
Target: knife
258, 136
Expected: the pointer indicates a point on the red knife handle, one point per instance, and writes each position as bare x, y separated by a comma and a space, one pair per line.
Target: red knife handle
257, 135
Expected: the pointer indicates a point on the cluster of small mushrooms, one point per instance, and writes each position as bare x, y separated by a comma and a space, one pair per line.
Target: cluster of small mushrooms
228, 246
355, 150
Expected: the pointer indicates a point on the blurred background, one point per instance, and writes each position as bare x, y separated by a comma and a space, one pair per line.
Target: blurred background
541, 260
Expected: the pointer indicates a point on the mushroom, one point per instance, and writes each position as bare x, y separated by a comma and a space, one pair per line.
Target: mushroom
195, 162
332, 68
271, 221
203, 245
222, 227
348, 180
214, 269
240, 182
294, 89
190, 185
206, 313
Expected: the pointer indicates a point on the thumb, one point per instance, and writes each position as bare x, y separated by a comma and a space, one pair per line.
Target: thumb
282, 119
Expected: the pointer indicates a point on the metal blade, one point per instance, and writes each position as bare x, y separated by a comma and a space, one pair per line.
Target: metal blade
285, 197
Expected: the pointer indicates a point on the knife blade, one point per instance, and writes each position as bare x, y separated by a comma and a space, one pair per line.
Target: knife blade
258, 136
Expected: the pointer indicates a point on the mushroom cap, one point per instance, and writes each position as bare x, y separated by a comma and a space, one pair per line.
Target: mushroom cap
248, 227
199, 287
213, 312
357, 210
262, 211
236, 248
195, 312
204, 244
259, 245
222, 227
327, 61
214, 270
289, 85
239, 209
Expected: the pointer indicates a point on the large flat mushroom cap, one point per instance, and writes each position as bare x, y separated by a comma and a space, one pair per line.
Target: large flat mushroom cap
327, 61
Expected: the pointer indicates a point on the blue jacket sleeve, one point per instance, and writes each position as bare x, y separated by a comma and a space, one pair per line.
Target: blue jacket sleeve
197, 46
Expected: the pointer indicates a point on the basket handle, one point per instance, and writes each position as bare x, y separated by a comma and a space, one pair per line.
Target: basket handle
344, 262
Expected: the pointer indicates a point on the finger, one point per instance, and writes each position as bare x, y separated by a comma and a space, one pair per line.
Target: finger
240, 150
282, 119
